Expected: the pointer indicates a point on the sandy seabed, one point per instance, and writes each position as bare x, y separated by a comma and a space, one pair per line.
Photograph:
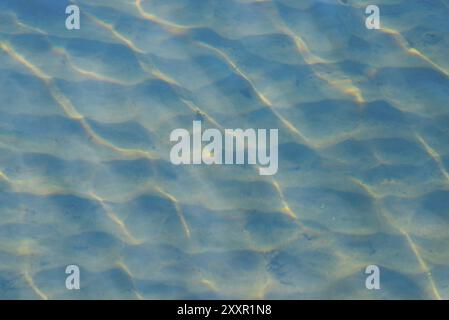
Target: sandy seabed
86, 179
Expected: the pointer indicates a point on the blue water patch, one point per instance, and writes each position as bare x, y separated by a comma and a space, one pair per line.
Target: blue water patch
86, 177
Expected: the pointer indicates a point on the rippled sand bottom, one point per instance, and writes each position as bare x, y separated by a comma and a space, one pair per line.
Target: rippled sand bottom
86, 179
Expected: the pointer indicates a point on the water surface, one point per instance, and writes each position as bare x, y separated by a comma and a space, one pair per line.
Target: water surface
86, 179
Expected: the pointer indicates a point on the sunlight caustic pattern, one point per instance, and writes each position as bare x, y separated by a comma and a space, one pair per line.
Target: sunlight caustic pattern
86, 179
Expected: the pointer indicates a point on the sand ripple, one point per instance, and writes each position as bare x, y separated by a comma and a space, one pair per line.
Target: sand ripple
85, 177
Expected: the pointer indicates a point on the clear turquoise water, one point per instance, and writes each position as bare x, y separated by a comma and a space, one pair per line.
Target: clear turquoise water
85, 176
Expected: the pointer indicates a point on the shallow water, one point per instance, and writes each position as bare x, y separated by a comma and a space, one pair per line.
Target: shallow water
86, 179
